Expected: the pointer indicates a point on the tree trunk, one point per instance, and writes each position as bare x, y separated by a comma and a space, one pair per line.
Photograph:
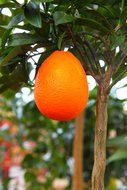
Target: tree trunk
77, 181
100, 140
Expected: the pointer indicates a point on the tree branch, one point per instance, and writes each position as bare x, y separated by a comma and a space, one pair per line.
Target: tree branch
80, 52
94, 56
86, 53
119, 64
122, 6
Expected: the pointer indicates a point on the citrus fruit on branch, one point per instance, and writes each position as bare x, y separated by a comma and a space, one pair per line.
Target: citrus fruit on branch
61, 88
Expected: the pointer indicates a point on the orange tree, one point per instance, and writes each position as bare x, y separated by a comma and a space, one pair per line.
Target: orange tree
92, 30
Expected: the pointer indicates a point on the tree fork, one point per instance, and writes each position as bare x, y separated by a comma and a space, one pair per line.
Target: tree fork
77, 180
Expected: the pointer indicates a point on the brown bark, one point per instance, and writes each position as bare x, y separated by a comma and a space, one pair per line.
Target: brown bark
77, 180
100, 140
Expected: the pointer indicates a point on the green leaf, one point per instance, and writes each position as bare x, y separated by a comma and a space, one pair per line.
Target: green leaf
15, 51
117, 40
92, 24
15, 20
122, 67
120, 154
60, 40
32, 14
4, 20
61, 17
3, 79
7, 5
107, 11
0, 41
30, 161
44, 31
118, 58
19, 75
15, 79
29, 176
97, 16
6, 86
123, 16
5, 37
120, 141
23, 38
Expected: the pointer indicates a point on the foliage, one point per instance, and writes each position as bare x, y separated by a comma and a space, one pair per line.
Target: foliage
85, 27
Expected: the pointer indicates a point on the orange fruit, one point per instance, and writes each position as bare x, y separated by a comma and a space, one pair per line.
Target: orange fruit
61, 88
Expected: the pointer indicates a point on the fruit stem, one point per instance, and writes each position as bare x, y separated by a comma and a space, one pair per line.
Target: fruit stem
77, 180
60, 41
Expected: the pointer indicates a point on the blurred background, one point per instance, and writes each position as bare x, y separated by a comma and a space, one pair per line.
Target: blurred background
36, 152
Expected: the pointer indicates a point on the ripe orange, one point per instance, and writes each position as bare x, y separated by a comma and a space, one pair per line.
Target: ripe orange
61, 88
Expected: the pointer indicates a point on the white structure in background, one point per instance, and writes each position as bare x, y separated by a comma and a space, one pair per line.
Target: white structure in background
60, 183
17, 182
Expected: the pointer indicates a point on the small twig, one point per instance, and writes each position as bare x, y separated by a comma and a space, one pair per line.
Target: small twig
45, 7
122, 6
54, 29
30, 56
91, 64
74, 42
34, 61
106, 45
80, 52
118, 27
16, 2
94, 36
120, 63
35, 47
88, 66
94, 56
84, 48
30, 84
